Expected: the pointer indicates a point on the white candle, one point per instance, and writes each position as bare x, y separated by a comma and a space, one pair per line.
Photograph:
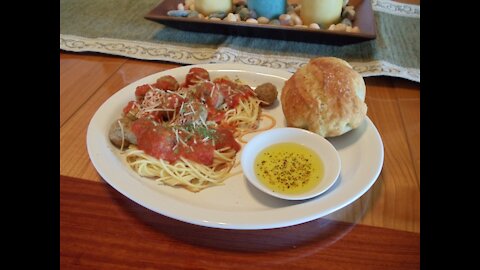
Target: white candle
323, 12
210, 6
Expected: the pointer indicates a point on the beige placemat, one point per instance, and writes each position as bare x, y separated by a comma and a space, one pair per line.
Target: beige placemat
118, 27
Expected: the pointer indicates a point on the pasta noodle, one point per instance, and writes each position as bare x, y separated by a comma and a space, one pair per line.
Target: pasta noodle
177, 123
189, 174
272, 124
244, 116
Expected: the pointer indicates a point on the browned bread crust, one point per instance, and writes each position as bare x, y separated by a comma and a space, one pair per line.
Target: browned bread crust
326, 96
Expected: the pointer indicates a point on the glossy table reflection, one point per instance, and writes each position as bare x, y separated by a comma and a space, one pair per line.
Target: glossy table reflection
100, 228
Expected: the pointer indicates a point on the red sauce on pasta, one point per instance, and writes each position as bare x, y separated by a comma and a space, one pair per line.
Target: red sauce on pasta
181, 125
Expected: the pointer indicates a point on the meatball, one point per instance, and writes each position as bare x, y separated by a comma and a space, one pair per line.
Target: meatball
167, 83
267, 93
115, 133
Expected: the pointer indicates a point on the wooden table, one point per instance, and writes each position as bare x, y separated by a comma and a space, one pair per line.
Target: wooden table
102, 229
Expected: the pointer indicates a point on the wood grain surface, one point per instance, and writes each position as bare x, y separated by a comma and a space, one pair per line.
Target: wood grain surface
74, 89
102, 229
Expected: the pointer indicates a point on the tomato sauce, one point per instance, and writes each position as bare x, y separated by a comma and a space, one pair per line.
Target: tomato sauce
188, 135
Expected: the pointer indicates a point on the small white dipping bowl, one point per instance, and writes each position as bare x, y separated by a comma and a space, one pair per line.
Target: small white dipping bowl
323, 148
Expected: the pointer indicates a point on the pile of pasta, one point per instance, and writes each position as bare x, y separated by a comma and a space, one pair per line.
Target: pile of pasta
186, 134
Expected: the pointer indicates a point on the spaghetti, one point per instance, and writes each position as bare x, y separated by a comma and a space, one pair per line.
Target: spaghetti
191, 175
186, 134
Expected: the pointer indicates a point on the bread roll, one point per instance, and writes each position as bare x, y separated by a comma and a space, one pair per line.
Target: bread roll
326, 96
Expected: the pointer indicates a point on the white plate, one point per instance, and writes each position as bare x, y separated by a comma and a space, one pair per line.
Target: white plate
237, 204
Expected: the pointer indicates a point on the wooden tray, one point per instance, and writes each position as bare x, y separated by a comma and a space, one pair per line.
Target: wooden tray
365, 20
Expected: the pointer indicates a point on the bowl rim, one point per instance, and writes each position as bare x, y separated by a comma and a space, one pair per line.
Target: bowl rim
321, 146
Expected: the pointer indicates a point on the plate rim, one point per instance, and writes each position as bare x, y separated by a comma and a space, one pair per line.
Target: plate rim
149, 197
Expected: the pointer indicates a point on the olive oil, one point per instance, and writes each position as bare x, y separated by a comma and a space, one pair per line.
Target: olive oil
289, 168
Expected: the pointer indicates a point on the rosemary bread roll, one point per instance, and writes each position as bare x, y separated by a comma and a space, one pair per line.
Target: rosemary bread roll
326, 96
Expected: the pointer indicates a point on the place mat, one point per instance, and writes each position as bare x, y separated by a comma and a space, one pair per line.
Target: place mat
118, 27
